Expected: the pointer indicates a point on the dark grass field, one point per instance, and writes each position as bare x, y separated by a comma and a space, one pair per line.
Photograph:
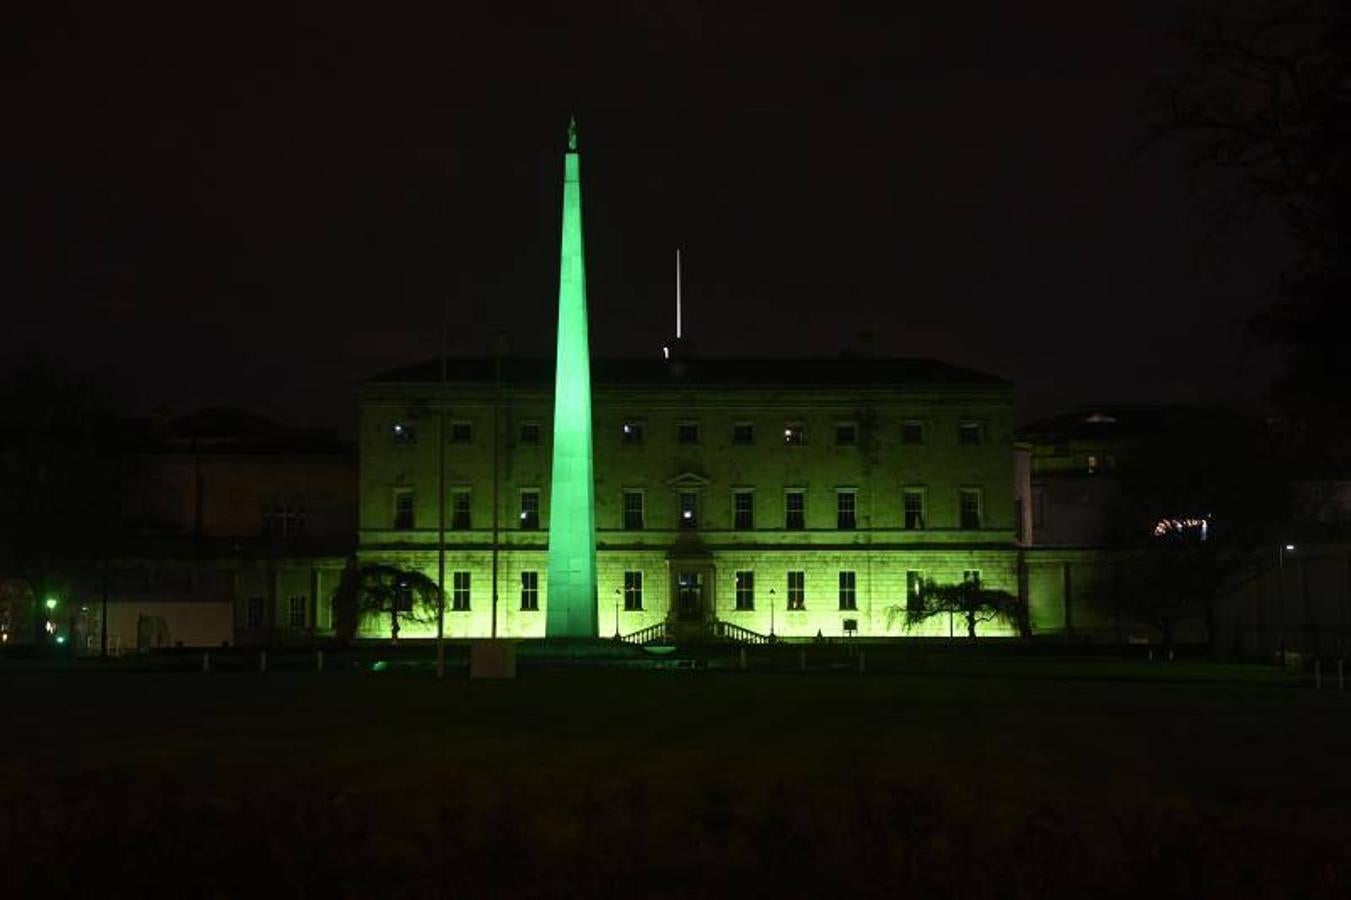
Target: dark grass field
952, 777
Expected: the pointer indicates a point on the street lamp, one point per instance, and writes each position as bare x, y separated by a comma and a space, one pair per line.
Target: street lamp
1281, 550
618, 594
771, 615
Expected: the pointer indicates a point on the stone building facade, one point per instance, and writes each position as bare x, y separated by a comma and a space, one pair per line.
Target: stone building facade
793, 497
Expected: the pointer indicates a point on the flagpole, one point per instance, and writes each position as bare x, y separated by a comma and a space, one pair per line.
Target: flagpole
441, 508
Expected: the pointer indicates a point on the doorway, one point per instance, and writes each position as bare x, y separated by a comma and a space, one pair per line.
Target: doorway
689, 596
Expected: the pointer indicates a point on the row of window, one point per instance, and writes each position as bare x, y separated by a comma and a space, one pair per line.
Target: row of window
688, 509
631, 432
744, 595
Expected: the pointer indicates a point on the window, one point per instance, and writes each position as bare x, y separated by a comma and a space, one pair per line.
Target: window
795, 515
914, 587
743, 510
285, 518
461, 433
970, 434
797, 590
459, 592
253, 613
971, 576
743, 434
403, 433
529, 435
687, 433
529, 591
633, 591
403, 598
912, 432
848, 598
631, 433
745, 591
633, 510
460, 519
846, 434
403, 509
970, 508
689, 509
295, 612
530, 510
794, 434
912, 504
846, 510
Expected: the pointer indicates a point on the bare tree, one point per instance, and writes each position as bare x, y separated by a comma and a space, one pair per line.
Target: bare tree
970, 600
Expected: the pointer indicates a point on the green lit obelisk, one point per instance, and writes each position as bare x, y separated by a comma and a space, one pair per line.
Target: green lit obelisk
572, 513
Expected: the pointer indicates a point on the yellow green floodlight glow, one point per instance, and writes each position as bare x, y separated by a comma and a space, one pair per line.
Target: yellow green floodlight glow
572, 517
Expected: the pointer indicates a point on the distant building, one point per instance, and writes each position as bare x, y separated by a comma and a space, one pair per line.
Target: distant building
792, 496
237, 531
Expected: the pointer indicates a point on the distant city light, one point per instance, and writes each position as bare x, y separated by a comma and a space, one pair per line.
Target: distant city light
1182, 525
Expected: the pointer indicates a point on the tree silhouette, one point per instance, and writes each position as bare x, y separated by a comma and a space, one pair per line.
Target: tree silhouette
376, 589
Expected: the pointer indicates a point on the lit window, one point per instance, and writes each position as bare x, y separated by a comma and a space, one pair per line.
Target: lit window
914, 591
633, 510
912, 502
745, 591
689, 509
459, 593
403, 509
970, 434
461, 433
970, 509
912, 432
743, 434
633, 591
794, 434
795, 510
846, 510
460, 519
403, 433
743, 510
529, 591
797, 590
631, 433
529, 510
848, 597
687, 433
846, 434
529, 433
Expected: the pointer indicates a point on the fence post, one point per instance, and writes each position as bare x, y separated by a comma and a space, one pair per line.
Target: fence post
862, 666
1317, 674
802, 660
743, 658
262, 661
206, 660
319, 660
1341, 674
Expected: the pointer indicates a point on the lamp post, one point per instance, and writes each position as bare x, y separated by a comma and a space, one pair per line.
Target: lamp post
617, 596
771, 615
1281, 550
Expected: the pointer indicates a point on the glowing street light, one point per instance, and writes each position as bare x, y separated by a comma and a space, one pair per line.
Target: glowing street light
51, 604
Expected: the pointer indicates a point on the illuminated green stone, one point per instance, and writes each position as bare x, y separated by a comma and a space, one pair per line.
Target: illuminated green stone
571, 598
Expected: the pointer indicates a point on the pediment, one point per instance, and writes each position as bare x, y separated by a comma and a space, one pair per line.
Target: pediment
690, 481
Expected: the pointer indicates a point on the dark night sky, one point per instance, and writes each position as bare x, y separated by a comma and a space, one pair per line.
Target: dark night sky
260, 209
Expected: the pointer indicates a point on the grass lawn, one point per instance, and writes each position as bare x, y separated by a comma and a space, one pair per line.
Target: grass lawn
952, 777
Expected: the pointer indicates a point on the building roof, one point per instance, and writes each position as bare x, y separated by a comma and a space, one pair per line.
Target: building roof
845, 371
1125, 422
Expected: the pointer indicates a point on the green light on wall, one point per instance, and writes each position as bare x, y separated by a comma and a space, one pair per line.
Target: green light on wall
572, 519
51, 603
